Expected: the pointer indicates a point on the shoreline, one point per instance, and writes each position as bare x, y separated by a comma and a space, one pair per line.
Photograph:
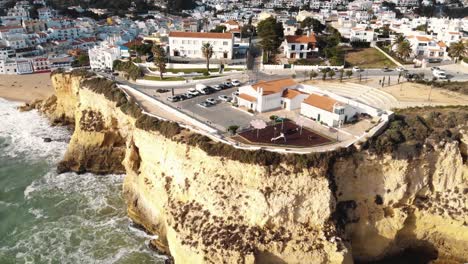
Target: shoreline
26, 88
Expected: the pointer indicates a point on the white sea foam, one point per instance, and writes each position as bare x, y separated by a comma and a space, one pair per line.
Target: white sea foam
25, 133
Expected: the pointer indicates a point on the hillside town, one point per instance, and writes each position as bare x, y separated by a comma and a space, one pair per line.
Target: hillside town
228, 67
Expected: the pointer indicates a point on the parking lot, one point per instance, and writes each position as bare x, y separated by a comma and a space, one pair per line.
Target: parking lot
221, 115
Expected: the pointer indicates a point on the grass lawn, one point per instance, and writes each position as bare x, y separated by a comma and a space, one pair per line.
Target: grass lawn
176, 78
156, 78
189, 70
367, 58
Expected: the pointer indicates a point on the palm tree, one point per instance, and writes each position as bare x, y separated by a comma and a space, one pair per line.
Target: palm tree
404, 50
207, 51
159, 60
331, 74
458, 49
349, 73
399, 39
341, 74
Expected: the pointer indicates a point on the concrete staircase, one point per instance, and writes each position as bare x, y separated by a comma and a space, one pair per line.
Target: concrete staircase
364, 94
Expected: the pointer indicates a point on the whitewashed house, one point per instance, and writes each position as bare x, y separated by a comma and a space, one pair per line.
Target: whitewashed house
189, 44
327, 110
265, 96
361, 34
427, 48
300, 47
8, 66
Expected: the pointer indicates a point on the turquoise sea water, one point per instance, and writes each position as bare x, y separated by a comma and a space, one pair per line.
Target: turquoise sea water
51, 218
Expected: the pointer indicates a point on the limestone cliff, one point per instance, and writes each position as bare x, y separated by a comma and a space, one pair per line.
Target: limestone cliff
207, 208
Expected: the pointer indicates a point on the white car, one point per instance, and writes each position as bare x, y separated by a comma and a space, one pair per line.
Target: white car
439, 74
236, 83
217, 87
193, 92
236, 93
205, 104
356, 69
211, 100
224, 98
400, 69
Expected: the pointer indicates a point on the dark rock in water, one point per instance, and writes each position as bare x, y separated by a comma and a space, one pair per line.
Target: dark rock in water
47, 140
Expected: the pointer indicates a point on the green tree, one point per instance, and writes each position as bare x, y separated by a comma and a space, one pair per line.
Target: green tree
219, 29
349, 73
404, 50
313, 24
324, 73
459, 49
271, 33
313, 74
398, 40
341, 74
160, 59
331, 74
83, 60
207, 51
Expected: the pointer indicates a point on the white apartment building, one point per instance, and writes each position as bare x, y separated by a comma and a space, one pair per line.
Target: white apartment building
7, 67
102, 57
361, 34
45, 13
64, 33
6, 52
23, 66
425, 47
189, 44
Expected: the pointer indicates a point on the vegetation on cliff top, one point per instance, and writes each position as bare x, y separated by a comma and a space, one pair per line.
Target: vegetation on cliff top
412, 128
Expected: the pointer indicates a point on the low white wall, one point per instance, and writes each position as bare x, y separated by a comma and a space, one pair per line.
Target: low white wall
298, 67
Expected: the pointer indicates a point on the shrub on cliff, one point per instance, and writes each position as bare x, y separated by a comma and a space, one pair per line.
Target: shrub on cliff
166, 128
412, 128
134, 72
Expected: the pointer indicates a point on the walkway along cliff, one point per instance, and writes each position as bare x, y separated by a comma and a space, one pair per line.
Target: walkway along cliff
211, 203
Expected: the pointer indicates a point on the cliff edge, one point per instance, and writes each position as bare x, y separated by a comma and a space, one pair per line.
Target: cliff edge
210, 203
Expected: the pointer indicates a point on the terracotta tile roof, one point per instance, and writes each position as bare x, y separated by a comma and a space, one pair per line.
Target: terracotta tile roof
210, 35
301, 39
441, 44
232, 23
248, 97
275, 86
422, 38
323, 102
291, 93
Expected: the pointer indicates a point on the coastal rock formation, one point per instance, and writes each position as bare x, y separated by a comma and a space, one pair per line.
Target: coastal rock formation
207, 208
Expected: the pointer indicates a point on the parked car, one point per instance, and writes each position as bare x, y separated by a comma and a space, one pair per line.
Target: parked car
193, 92
211, 101
207, 90
236, 93
439, 74
217, 87
225, 98
187, 95
435, 69
356, 69
401, 69
228, 84
236, 83
204, 104
386, 69
173, 98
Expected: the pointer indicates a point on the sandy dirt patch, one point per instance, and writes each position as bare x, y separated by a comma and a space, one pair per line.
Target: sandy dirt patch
25, 88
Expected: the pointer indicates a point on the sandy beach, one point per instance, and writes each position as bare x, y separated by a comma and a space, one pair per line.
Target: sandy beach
25, 88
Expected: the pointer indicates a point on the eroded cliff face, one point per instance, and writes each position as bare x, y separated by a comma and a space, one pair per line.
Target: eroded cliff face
210, 209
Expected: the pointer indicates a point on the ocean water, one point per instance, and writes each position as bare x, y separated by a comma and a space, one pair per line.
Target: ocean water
51, 218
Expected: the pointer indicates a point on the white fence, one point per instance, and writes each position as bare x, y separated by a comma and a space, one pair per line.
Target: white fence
193, 66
